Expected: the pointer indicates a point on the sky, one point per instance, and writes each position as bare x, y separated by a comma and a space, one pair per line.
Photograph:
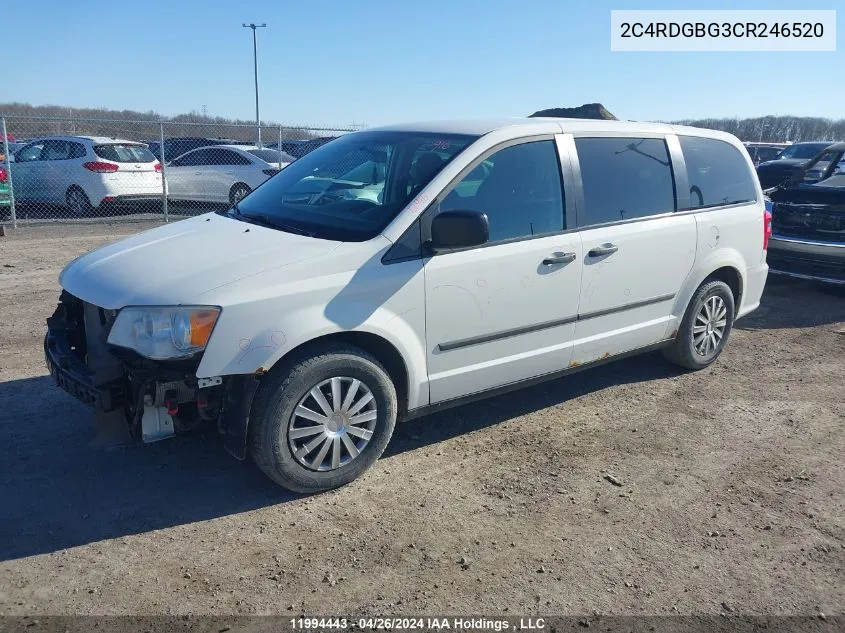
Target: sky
371, 62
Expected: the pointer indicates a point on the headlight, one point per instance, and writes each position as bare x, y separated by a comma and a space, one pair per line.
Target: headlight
164, 332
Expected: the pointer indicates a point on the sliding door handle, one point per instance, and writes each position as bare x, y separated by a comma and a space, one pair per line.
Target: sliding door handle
559, 258
604, 249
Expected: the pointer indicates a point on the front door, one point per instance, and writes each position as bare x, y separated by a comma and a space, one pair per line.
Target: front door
506, 311
185, 174
637, 252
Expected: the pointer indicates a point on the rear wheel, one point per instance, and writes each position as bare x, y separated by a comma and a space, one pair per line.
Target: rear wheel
238, 192
77, 202
323, 418
705, 328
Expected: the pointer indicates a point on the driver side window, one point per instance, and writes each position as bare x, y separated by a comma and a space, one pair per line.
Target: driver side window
518, 187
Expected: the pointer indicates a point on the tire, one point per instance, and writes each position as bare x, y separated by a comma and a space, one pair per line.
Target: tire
77, 202
690, 349
283, 457
238, 191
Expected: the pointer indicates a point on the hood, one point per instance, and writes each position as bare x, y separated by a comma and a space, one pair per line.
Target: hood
172, 264
783, 163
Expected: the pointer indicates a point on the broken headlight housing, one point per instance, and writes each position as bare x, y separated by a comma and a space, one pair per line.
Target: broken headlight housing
164, 333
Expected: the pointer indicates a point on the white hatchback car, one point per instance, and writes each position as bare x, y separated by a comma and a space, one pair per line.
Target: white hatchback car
85, 173
222, 173
401, 270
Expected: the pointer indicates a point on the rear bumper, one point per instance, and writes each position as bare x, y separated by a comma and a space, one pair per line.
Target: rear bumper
807, 259
755, 282
131, 201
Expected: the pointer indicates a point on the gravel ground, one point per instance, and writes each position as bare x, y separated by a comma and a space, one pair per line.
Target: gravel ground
731, 495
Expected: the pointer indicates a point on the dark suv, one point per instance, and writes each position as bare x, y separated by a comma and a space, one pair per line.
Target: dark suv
808, 220
788, 163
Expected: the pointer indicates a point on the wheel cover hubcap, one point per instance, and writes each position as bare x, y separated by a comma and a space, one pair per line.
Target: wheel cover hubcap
332, 424
708, 329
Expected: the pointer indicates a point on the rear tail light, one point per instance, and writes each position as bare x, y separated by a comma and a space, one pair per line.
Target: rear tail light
158, 167
4, 176
270, 172
100, 167
767, 228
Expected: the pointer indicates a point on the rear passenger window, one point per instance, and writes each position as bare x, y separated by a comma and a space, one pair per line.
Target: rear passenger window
624, 178
124, 153
718, 173
518, 187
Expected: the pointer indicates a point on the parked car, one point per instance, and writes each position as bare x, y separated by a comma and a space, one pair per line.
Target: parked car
288, 146
14, 146
764, 152
222, 173
310, 145
808, 221
5, 197
788, 163
155, 148
175, 147
85, 173
494, 255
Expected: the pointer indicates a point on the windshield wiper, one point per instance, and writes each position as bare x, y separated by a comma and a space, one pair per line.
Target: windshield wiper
263, 219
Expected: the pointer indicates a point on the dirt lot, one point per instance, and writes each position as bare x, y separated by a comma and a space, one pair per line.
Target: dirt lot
732, 495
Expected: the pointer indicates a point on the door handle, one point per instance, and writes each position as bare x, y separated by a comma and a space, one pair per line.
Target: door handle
604, 249
559, 258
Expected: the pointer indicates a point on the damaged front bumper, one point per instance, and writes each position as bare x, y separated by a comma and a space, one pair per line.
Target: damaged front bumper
71, 374
155, 399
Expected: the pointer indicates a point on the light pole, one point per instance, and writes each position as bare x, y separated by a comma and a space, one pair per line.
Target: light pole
255, 65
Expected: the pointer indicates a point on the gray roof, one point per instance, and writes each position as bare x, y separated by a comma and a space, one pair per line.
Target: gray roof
541, 125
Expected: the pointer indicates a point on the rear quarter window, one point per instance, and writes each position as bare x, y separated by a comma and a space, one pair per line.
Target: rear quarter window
718, 173
124, 153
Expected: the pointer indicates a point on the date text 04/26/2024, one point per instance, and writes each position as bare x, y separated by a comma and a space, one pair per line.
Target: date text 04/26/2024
417, 623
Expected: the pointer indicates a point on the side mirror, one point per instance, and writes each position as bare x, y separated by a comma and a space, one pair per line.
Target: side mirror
458, 229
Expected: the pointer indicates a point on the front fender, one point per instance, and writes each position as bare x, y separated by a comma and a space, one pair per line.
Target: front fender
251, 338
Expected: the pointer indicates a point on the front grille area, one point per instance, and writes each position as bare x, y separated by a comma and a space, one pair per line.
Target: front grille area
77, 353
810, 221
69, 319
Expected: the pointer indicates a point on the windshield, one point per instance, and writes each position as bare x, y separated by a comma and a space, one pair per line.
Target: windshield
271, 155
351, 188
803, 150
817, 168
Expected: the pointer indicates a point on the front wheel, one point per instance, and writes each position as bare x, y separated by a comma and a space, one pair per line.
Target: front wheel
705, 328
322, 419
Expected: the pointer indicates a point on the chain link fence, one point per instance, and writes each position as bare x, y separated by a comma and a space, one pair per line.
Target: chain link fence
68, 171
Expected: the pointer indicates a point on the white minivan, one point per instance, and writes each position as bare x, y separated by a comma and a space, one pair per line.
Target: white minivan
401, 270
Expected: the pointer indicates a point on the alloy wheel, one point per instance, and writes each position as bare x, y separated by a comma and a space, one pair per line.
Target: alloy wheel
708, 330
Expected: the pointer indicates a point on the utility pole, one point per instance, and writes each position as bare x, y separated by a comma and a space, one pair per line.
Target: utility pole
255, 65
